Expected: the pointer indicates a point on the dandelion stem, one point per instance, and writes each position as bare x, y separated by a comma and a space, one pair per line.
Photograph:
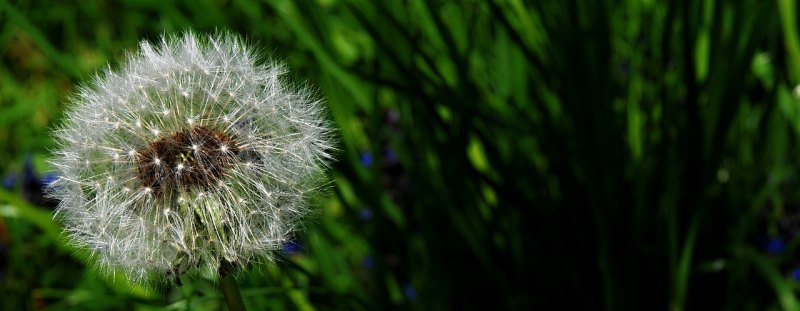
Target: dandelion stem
230, 289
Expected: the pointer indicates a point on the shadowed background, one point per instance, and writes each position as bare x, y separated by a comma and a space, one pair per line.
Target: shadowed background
503, 154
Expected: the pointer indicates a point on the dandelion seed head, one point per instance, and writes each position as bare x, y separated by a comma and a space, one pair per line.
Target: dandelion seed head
213, 157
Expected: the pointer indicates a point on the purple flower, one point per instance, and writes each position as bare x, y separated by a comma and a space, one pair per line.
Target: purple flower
9, 181
410, 292
365, 214
393, 116
369, 262
366, 158
292, 247
390, 155
795, 273
774, 245
48, 179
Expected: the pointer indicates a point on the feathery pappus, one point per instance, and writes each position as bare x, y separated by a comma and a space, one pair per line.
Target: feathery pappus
191, 156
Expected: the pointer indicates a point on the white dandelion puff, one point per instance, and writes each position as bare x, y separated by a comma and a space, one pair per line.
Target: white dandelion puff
191, 156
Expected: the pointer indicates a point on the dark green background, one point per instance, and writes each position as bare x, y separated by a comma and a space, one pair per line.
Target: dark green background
495, 154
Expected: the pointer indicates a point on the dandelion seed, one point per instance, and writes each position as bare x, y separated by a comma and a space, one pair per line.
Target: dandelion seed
231, 173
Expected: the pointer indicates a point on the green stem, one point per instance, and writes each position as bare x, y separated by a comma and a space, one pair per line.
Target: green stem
230, 289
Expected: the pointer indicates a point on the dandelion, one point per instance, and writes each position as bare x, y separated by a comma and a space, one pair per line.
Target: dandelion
192, 157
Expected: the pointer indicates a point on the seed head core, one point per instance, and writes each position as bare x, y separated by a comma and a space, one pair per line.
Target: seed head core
194, 157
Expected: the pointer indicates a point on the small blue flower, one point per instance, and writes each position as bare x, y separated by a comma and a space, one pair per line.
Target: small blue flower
28, 171
369, 262
393, 116
292, 247
795, 273
774, 245
32, 184
410, 292
365, 214
366, 158
48, 179
9, 181
390, 155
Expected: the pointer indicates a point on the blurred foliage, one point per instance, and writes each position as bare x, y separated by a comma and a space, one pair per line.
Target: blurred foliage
501, 154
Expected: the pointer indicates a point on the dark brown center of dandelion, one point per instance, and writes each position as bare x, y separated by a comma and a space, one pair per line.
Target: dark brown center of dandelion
194, 157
